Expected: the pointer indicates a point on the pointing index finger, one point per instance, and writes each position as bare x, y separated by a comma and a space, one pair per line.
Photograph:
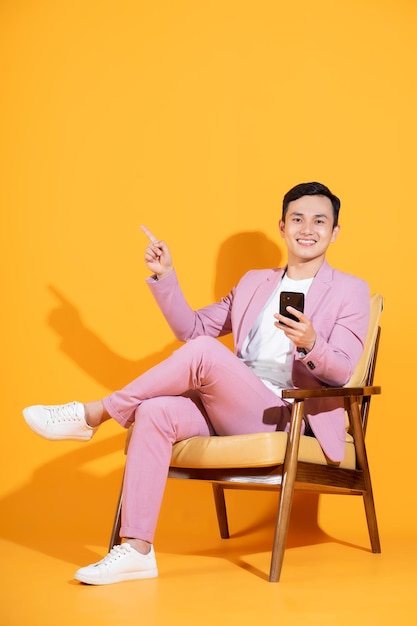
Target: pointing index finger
149, 234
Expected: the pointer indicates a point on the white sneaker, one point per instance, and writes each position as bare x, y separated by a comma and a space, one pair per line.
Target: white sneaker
122, 563
62, 421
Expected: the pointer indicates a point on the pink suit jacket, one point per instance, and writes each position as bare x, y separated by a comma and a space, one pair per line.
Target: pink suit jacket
338, 306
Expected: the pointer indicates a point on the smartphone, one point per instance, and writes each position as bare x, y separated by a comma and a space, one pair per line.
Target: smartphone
291, 298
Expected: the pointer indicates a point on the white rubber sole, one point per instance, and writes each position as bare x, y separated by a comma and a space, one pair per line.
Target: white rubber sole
116, 578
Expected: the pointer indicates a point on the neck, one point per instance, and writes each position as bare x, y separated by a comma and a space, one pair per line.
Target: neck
300, 270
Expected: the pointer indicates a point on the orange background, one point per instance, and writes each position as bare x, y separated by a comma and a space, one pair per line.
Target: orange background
193, 118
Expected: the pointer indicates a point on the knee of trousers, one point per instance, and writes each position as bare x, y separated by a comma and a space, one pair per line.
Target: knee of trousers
157, 416
206, 347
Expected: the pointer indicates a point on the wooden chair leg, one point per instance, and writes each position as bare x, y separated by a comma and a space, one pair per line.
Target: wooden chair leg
287, 492
220, 503
368, 501
115, 533
368, 498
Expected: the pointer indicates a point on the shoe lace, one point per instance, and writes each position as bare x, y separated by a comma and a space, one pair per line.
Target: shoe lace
64, 412
116, 553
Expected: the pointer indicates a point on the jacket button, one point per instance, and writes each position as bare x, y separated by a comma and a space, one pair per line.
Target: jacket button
311, 365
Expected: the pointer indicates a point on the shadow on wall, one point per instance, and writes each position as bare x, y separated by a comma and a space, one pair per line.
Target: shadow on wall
237, 255
241, 253
37, 514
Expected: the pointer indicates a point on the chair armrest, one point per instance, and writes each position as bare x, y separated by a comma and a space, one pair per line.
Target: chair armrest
330, 392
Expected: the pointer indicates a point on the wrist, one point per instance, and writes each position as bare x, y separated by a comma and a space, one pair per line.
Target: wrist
305, 349
163, 274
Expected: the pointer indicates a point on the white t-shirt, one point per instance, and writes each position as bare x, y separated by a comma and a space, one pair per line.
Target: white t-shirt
266, 349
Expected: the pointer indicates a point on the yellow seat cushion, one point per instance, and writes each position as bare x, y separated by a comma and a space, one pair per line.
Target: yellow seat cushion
253, 450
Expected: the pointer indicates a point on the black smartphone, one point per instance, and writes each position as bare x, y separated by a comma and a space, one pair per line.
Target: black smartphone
291, 298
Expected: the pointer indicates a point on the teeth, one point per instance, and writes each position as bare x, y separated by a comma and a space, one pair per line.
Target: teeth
306, 242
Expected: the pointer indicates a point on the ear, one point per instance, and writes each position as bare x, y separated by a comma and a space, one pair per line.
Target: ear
335, 233
282, 228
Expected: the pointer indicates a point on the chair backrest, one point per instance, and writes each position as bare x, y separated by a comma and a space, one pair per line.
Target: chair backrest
360, 376
364, 372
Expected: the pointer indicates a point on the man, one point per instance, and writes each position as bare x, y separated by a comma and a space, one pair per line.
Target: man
204, 389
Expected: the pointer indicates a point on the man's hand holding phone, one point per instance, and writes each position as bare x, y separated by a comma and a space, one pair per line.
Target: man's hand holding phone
157, 255
292, 321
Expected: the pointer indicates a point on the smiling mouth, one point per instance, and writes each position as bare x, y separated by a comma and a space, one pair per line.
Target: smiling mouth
306, 242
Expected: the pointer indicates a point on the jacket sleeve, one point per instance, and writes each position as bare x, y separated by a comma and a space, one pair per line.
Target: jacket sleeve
213, 320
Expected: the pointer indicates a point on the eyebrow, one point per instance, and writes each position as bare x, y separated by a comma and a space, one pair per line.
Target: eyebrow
301, 214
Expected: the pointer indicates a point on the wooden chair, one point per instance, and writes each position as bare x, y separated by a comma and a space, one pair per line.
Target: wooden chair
286, 462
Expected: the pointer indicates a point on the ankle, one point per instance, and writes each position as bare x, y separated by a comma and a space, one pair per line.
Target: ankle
95, 413
139, 545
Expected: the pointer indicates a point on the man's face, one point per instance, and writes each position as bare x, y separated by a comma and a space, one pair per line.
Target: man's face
308, 228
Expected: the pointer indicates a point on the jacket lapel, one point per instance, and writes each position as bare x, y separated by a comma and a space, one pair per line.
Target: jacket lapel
321, 283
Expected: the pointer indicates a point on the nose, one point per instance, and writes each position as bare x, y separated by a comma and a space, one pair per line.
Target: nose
306, 228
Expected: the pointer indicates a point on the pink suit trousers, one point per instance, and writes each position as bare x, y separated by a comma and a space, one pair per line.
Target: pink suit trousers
201, 389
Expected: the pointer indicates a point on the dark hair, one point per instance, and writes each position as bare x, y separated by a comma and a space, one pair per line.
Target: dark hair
311, 189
